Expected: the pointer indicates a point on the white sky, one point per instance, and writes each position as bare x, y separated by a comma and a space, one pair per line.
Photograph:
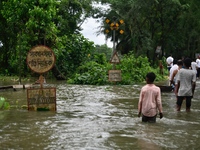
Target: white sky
90, 27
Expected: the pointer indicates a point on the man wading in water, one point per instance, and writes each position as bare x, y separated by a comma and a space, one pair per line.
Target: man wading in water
186, 83
150, 100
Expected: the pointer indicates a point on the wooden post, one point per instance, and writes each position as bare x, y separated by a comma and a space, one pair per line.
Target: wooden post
41, 81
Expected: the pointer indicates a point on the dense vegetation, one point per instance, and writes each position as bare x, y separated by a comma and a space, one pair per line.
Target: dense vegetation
172, 24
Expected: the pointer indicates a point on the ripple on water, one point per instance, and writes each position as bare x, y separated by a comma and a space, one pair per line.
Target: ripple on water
102, 118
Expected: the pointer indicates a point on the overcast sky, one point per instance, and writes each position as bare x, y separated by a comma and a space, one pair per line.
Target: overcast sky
90, 27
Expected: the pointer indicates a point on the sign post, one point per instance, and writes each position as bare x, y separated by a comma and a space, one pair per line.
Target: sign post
41, 99
114, 75
114, 25
41, 59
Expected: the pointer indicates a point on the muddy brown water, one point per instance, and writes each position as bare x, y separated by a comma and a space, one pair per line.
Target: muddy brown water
97, 118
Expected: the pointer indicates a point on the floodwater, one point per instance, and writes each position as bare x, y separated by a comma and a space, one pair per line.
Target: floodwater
97, 118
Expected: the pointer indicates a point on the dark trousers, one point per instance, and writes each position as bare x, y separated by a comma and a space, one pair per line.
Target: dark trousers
180, 101
149, 119
198, 72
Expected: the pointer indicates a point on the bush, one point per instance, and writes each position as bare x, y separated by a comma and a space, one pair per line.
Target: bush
4, 104
91, 73
133, 70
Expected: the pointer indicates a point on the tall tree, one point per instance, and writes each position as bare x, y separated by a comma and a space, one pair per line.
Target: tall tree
149, 24
72, 14
29, 23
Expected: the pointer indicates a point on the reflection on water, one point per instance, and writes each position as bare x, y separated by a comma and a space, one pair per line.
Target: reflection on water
97, 118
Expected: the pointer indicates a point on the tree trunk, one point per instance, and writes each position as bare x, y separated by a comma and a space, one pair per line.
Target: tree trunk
57, 74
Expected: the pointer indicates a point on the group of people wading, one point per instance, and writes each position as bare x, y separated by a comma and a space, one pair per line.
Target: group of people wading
183, 74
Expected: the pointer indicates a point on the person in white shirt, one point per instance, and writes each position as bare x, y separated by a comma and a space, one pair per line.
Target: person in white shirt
169, 61
194, 66
198, 66
174, 67
186, 83
174, 74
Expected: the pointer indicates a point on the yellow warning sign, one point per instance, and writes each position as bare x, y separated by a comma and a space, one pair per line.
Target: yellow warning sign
115, 59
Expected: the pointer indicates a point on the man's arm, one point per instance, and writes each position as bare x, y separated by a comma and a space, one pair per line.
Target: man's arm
140, 104
177, 88
159, 104
173, 75
193, 87
178, 83
193, 83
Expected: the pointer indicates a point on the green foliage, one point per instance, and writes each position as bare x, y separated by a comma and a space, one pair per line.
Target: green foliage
4, 104
99, 58
103, 49
69, 16
91, 73
134, 69
71, 51
57, 24
172, 24
27, 23
95, 72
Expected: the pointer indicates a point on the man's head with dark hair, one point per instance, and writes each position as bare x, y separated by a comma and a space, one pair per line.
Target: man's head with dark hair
150, 77
179, 62
187, 62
